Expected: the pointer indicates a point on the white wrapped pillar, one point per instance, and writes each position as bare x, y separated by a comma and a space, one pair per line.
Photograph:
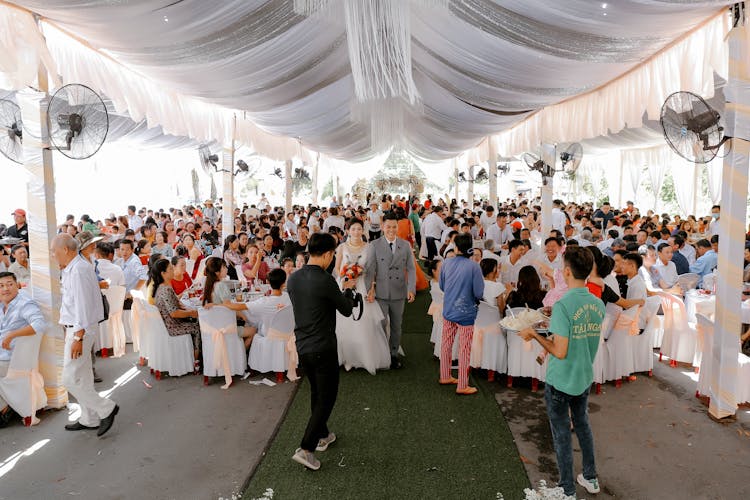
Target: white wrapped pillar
227, 192
492, 170
288, 186
548, 155
470, 187
455, 179
726, 346
315, 179
42, 221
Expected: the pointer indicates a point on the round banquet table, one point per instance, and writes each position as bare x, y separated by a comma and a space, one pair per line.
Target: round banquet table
696, 302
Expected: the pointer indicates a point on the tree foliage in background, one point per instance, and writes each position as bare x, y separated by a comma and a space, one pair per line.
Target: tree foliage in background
327, 189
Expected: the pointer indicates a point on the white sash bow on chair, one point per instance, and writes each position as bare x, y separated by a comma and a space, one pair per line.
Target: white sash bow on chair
630, 322
291, 351
36, 384
221, 355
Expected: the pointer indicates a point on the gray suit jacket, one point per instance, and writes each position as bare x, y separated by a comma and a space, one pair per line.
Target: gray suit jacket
394, 273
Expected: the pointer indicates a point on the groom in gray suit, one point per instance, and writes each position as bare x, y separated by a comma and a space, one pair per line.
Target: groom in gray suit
391, 278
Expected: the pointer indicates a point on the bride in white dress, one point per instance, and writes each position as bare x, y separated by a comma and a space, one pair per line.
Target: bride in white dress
363, 343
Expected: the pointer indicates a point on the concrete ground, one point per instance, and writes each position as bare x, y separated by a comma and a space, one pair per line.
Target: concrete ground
175, 440
653, 439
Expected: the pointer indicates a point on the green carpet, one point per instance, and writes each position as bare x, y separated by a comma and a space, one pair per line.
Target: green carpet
400, 435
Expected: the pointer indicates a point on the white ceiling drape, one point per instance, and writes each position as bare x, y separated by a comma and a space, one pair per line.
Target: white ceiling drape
477, 66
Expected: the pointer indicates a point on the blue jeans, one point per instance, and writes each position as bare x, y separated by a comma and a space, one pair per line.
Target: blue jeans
560, 406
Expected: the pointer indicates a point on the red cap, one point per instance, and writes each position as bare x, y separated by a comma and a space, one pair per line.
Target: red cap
19, 211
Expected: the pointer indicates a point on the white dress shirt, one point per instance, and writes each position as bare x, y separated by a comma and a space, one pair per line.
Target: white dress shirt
81, 299
636, 288
433, 226
333, 220
491, 291
486, 222
667, 273
508, 271
134, 222
20, 312
109, 271
134, 272
499, 236
558, 220
689, 252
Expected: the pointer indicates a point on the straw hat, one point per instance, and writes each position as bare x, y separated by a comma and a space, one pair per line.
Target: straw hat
86, 238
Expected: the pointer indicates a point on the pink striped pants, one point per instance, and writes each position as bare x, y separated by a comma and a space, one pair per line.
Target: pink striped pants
465, 333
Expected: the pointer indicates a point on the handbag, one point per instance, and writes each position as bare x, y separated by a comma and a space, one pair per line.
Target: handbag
105, 306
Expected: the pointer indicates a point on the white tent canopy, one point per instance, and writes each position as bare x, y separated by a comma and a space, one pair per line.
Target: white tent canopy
450, 74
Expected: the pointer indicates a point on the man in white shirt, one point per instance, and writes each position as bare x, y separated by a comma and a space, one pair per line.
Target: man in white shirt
134, 221
713, 227
290, 228
80, 313
113, 274
664, 266
550, 261
500, 232
511, 264
612, 234
636, 286
687, 249
487, 219
375, 216
334, 219
558, 216
135, 273
489, 253
432, 228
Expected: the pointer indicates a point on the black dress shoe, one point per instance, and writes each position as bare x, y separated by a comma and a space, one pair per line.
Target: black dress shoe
395, 363
97, 380
107, 422
78, 426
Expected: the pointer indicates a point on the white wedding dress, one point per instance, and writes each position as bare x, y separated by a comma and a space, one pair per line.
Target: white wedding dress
363, 343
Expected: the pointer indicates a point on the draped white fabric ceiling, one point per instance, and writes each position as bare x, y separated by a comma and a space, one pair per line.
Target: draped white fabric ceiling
478, 66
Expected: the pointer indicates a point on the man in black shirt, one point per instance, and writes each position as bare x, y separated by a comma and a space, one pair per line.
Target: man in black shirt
20, 229
315, 299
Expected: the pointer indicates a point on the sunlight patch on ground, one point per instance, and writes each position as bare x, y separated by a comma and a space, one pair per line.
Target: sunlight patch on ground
121, 381
10, 462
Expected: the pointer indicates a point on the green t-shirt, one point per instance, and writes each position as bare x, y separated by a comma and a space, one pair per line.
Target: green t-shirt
577, 316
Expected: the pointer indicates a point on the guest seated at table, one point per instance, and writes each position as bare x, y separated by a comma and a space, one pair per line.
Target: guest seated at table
181, 280
21, 317
707, 259
217, 291
261, 311
194, 253
665, 268
21, 265
492, 288
178, 319
255, 266
143, 251
528, 291
232, 257
161, 246
603, 266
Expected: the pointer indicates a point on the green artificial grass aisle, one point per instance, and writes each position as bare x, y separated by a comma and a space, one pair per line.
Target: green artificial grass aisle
400, 435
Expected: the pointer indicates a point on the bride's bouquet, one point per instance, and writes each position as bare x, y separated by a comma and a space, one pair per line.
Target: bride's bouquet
351, 271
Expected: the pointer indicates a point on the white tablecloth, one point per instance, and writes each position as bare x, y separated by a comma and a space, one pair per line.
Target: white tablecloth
706, 304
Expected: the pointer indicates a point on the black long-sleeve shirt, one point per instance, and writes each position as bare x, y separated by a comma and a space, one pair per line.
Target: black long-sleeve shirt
316, 298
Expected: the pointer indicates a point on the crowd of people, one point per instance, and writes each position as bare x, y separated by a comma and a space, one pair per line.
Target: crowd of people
472, 251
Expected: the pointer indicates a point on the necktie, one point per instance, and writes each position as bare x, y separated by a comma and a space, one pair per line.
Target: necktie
391, 245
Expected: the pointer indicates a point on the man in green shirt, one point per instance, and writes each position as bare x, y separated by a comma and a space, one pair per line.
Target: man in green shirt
414, 218
575, 327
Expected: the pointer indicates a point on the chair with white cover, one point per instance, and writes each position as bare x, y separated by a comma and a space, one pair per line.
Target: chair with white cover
705, 331
141, 335
679, 336
112, 332
601, 360
654, 323
223, 350
620, 344
170, 354
522, 357
688, 281
23, 386
276, 351
489, 349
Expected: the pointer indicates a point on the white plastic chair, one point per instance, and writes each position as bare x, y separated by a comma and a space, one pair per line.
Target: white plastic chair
679, 336
436, 311
522, 357
643, 350
23, 386
112, 332
222, 347
141, 335
652, 323
276, 350
170, 354
489, 349
688, 281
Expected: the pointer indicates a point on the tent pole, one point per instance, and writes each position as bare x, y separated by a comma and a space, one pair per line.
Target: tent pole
455, 179
731, 234
42, 222
548, 155
287, 186
470, 188
227, 186
696, 188
492, 161
315, 179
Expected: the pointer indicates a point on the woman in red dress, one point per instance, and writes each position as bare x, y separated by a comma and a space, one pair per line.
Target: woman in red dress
181, 280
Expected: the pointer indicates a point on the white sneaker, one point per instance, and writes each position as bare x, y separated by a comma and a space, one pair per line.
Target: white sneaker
591, 485
323, 443
306, 458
